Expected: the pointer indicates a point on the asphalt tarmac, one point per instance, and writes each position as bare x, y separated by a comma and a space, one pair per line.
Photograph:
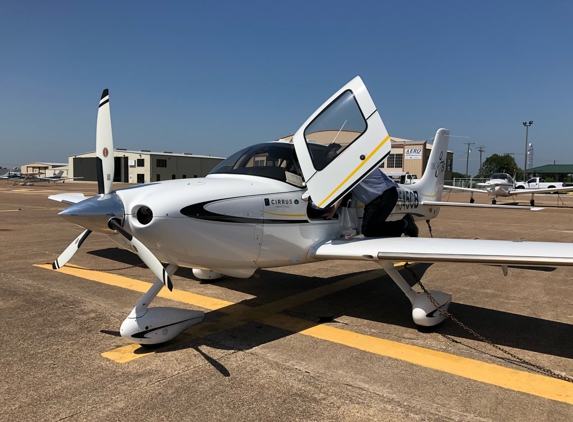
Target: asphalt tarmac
330, 341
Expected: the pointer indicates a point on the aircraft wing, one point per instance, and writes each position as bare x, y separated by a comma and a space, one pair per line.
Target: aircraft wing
474, 205
68, 198
466, 189
524, 191
416, 249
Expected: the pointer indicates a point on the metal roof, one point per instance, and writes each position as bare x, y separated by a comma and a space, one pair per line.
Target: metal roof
552, 169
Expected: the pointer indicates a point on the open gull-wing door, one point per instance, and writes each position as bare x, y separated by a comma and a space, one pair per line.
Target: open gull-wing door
349, 123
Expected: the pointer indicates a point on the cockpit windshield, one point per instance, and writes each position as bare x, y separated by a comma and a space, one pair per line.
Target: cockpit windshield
502, 176
274, 160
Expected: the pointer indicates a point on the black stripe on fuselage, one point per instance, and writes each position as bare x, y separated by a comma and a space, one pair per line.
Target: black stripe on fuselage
199, 212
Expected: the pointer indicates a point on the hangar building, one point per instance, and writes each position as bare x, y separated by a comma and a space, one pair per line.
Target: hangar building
145, 166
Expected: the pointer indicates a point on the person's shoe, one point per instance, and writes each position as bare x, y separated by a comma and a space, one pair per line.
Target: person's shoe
411, 229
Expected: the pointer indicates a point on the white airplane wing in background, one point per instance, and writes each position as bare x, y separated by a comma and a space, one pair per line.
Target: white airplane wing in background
534, 191
68, 198
474, 205
466, 189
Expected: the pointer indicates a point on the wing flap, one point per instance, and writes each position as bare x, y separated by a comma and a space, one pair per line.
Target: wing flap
496, 252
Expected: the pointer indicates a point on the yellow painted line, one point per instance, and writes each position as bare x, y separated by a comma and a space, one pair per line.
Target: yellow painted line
269, 314
9, 210
285, 215
141, 286
535, 384
237, 314
356, 169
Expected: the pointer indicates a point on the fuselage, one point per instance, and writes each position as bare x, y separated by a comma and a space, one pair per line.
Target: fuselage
235, 224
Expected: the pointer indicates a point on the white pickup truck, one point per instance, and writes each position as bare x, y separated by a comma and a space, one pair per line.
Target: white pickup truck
538, 183
404, 178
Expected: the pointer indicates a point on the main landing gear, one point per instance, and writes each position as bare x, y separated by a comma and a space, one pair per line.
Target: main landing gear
424, 312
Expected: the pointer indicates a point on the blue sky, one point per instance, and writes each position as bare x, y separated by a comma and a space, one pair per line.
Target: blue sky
213, 77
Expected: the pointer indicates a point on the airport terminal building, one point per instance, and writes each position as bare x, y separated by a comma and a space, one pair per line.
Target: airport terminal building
145, 166
412, 157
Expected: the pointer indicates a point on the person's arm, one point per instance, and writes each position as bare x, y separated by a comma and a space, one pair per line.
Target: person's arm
330, 213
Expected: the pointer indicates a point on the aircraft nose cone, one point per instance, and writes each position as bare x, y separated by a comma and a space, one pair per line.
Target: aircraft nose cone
94, 213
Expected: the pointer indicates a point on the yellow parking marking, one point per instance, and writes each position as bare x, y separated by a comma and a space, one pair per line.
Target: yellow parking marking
269, 314
511, 379
140, 286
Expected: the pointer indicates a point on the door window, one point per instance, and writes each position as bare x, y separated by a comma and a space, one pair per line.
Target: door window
337, 126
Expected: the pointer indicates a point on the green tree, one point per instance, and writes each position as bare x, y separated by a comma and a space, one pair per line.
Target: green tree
499, 164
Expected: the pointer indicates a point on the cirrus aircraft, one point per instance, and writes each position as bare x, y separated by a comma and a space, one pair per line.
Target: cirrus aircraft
252, 212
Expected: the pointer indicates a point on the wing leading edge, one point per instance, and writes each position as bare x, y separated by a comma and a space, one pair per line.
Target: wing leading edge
496, 252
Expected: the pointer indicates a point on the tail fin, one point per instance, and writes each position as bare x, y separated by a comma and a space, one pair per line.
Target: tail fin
431, 185
59, 173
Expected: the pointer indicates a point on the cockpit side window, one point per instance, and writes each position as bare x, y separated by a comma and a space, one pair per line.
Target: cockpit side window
271, 160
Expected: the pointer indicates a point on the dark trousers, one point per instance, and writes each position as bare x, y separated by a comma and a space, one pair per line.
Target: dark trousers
376, 212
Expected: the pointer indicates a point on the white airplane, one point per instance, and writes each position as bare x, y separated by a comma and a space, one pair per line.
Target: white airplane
251, 212
502, 184
58, 177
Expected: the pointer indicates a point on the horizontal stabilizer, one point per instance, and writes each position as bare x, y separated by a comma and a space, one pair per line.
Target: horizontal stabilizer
474, 205
68, 198
477, 251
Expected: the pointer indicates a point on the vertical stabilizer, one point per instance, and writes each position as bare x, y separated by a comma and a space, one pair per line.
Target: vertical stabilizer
431, 184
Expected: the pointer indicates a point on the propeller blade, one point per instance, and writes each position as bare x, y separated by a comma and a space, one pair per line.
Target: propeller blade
104, 146
70, 251
145, 254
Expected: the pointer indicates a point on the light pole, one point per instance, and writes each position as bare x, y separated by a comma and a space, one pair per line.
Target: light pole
469, 144
525, 159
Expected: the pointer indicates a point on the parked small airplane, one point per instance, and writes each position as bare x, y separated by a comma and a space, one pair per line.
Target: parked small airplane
502, 184
251, 212
58, 177
28, 179
11, 175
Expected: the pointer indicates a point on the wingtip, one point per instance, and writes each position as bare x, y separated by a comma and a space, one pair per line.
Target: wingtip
104, 94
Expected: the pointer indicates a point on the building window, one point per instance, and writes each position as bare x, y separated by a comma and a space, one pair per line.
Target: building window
172, 177
394, 161
390, 161
161, 162
140, 162
158, 177
185, 176
140, 178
